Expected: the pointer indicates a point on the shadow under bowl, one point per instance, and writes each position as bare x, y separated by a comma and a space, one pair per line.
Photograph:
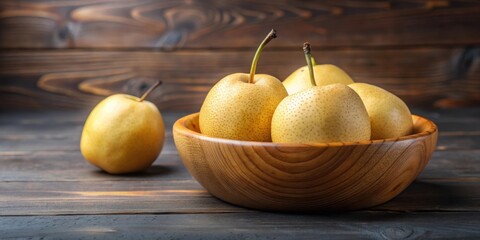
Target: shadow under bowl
337, 176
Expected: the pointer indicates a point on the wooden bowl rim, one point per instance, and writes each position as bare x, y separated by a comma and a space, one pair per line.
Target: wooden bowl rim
181, 128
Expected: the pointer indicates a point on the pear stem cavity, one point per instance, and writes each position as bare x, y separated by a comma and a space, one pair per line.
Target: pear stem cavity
308, 57
145, 95
271, 35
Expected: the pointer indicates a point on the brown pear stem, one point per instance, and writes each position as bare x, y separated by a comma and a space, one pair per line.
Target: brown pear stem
308, 57
145, 95
271, 35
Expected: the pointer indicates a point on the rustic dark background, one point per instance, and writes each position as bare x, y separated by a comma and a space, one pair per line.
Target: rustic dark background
69, 54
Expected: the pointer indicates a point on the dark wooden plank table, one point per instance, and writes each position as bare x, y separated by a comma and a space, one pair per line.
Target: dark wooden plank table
47, 190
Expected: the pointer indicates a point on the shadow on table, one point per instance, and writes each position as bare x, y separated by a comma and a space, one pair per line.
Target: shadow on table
151, 172
435, 196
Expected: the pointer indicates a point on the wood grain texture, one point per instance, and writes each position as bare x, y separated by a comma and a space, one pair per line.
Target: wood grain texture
43, 173
237, 24
424, 51
79, 79
157, 193
60, 165
301, 177
108, 197
358, 225
44, 146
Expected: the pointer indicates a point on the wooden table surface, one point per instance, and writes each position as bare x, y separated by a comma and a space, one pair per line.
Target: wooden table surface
47, 190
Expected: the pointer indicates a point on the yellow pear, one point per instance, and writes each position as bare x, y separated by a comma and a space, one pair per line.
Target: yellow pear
389, 115
325, 74
123, 134
331, 113
241, 105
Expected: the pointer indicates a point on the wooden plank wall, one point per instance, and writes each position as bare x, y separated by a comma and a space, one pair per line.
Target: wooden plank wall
69, 54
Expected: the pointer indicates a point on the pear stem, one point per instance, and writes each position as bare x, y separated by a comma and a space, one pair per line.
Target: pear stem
271, 35
314, 62
145, 95
308, 57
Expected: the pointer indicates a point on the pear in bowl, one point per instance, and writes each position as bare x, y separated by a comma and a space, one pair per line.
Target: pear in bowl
321, 157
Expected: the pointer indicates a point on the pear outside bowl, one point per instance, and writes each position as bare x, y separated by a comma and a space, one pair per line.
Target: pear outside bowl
304, 177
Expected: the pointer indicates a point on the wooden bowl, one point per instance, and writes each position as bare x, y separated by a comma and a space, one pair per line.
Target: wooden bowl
299, 177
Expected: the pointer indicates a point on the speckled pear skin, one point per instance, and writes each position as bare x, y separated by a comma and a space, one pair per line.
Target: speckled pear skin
325, 74
122, 134
332, 113
236, 109
389, 115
